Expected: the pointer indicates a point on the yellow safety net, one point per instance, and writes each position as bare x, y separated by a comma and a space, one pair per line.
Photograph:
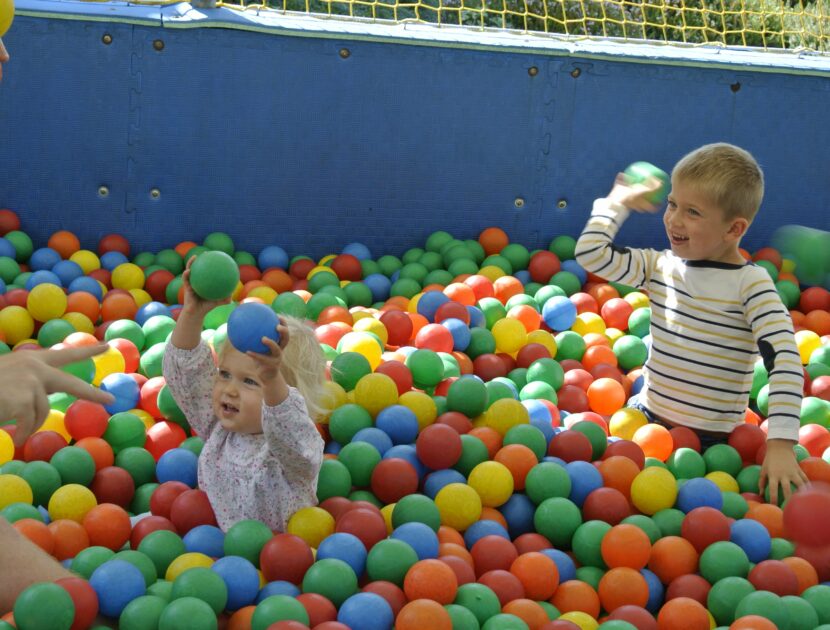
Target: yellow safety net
766, 24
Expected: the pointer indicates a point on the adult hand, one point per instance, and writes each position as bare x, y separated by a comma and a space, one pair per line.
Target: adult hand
27, 377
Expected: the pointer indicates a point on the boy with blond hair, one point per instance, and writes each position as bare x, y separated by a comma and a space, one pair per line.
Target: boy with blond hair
712, 310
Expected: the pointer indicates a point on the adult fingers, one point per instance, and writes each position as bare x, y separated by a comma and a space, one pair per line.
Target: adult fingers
65, 356
25, 421
58, 381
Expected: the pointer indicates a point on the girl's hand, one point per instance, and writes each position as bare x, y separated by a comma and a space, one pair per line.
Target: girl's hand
780, 469
192, 302
269, 364
635, 196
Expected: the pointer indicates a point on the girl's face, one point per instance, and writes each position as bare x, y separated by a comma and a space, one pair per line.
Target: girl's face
238, 392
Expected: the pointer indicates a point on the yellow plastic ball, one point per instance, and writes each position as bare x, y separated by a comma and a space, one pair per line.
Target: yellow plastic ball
806, 341
504, 414
80, 322
312, 524
787, 265
459, 506
362, 343
333, 396
320, 269
510, 335
71, 501
55, 422
372, 325
491, 272
412, 306
588, 323
16, 323
625, 422
127, 276
360, 313
145, 417
87, 260
14, 489
326, 259
637, 300
110, 361
653, 489
141, 297
46, 301
492, 481
266, 294
186, 561
544, 338
6, 447
375, 392
613, 335
237, 292
581, 619
422, 405
386, 513
6, 15
724, 481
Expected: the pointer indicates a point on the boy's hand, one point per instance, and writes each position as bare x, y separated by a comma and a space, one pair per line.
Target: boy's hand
192, 302
269, 364
635, 196
780, 468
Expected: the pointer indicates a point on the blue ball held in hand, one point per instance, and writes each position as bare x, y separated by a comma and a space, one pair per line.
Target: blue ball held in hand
249, 323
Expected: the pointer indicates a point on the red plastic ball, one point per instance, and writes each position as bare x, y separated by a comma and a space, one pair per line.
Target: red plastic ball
393, 479
41, 446
368, 525
113, 485
162, 498
703, 526
392, 593
84, 598
86, 419
774, 576
113, 243
493, 552
162, 437
399, 373
347, 267
191, 509
573, 399
398, 326
489, 366
806, 515
438, 446
606, 504
690, 585
148, 525
285, 557
571, 446
531, 352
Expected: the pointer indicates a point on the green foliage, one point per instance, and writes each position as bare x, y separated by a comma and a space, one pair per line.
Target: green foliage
792, 24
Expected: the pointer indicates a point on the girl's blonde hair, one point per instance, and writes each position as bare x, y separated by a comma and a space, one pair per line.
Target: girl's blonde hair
303, 364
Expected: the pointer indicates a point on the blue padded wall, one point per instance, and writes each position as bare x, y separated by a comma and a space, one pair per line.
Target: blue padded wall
280, 139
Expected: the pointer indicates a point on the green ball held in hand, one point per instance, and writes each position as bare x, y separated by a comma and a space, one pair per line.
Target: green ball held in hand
214, 275
638, 172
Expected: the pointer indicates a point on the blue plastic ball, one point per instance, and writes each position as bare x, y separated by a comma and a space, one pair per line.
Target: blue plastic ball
522, 276
117, 583
559, 312
460, 332
272, 256
44, 258
366, 611
482, 528
68, 271
753, 538
440, 478
565, 564
518, 511
249, 323
407, 452
206, 539
346, 547
699, 492
7, 249
110, 260
585, 478
477, 319
379, 285
125, 389
178, 464
398, 422
88, 285
43, 276
374, 436
576, 269
430, 302
151, 309
656, 591
358, 250
241, 578
421, 537
278, 587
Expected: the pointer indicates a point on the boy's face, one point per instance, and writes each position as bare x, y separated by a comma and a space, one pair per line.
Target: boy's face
698, 229
237, 392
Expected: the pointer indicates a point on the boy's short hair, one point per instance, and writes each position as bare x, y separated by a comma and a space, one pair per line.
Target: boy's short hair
729, 175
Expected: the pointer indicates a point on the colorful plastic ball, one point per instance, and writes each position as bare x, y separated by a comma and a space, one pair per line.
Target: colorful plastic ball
116, 583
804, 514
204, 584
699, 492
493, 483
393, 479
214, 275
189, 612
723, 559
111, 361
345, 547
653, 489
331, 578
46, 302
559, 313
249, 323
178, 464
312, 524
71, 501
366, 610
753, 538
655, 440
191, 509
571, 446
206, 539
125, 390
459, 506
44, 605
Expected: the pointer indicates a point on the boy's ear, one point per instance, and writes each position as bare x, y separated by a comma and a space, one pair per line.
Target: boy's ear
738, 227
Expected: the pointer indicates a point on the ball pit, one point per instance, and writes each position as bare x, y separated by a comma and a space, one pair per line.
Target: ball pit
481, 466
